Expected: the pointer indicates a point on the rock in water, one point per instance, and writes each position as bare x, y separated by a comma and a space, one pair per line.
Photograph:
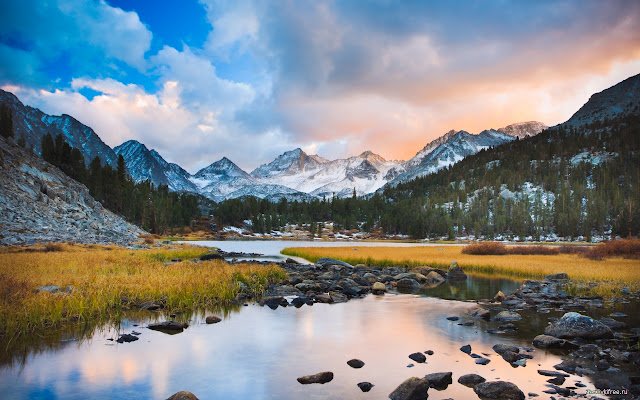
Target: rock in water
183, 395
168, 327
378, 288
576, 325
550, 342
411, 389
321, 377
470, 380
466, 349
418, 357
456, 273
127, 338
500, 296
434, 279
355, 363
507, 316
365, 386
212, 319
498, 390
408, 285
439, 380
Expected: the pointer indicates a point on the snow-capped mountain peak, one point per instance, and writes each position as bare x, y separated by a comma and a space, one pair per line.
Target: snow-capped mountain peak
523, 129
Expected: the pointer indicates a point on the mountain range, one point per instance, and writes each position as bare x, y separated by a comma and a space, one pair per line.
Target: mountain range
292, 175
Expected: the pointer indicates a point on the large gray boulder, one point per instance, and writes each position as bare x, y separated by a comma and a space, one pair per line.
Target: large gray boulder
455, 273
498, 390
576, 325
411, 389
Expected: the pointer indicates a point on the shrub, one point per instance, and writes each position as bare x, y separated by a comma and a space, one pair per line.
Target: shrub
485, 249
625, 248
49, 247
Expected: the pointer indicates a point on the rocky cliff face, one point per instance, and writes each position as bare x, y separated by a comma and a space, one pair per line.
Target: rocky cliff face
39, 203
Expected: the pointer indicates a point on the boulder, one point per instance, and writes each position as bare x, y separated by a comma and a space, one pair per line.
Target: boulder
466, 349
411, 389
455, 273
550, 342
498, 390
321, 377
576, 325
365, 386
212, 319
378, 288
507, 316
291, 261
273, 302
433, 279
500, 296
557, 277
355, 363
501, 348
470, 380
546, 372
127, 338
418, 357
323, 298
299, 301
183, 395
439, 380
479, 312
327, 262
337, 297
211, 256
168, 327
408, 285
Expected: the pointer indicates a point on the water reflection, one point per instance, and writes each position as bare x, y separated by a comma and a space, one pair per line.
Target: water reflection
258, 353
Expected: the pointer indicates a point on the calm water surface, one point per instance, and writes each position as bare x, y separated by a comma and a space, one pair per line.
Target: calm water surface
257, 353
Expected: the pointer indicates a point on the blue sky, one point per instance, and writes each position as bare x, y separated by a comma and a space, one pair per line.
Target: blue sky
199, 80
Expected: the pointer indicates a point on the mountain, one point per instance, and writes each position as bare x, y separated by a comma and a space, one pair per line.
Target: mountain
148, 165
449, 149
39, 203
522, 130
31, 124
294, 162
616, 101
221, 178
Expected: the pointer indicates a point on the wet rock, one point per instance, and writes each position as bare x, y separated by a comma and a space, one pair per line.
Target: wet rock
321, 377
479, 312
323, 298
211, 256
168, 327
149, 306
470, 380
127, 338
273, 302
433, 279
183, 395
554, 389
212, 319
501, 348
576, 325
407, 285
613, 324
453, 318
337, 297
411, 389
602, 365
546, 372
498, 390
355, 363
618, 314
327, 262
551, 342
291, 261
439, 380
429, 352
418, 357
567, 366
500, 296
378, 288
299, 301
466, 349
558, 380
557, 277
482, 361
507, 316
365, 386
455, 273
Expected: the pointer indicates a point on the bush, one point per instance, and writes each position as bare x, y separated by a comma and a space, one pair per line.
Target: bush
625, 248
485, 249
49, 247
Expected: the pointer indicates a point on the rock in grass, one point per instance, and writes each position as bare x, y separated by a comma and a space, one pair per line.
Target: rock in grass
365, 386
418, 357
355, 363
439, 380
211, 256
168, 327
321, 377
127, 338
212, 319
470, 380
183, 395
411, 389
455, 273
576, 325
498, 390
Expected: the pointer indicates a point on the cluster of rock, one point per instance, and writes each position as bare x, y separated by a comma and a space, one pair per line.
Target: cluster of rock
39, 203
335, 281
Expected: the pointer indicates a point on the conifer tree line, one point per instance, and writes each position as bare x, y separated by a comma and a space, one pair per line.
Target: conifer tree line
6, 121
152, 208
565, 181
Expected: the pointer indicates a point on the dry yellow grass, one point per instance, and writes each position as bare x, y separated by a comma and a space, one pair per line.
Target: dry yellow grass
108, 280
611, 273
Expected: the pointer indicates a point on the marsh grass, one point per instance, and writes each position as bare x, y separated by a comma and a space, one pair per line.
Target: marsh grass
610, 275
107, 281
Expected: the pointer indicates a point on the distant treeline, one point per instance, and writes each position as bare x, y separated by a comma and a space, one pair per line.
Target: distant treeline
152, 208
530, 187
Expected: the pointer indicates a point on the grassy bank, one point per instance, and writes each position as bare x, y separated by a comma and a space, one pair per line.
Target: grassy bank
106, 281
610, 274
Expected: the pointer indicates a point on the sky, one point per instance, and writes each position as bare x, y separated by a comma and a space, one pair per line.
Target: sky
199, 80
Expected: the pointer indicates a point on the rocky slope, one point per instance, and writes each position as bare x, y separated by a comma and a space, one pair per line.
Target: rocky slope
522, 130
39, 203
144, 164
32, 124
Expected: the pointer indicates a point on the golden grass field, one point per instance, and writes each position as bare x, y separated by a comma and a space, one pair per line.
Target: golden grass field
109, 280
611, 273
